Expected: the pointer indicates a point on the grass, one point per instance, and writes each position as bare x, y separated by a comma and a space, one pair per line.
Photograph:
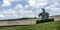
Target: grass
41, 26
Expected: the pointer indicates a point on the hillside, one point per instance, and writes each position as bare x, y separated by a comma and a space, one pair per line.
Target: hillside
42, 26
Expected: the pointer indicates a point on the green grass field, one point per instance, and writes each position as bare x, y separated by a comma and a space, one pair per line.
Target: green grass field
40, 26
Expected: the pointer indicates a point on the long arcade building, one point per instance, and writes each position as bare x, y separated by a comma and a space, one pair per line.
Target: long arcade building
24, 21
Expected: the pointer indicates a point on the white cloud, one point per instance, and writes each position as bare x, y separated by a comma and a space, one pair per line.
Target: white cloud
22, 10
37, 3
18, 6
53, 10
16, 0
26, 6
17, 12
29, 14
32, 2
53, 5
9, 11
2, 15
6, 3
39, 11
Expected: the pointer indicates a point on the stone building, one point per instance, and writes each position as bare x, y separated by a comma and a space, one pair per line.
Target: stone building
24, 21
56, 17
20, 21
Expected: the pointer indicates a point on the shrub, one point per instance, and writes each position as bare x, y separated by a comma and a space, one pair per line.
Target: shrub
42, 21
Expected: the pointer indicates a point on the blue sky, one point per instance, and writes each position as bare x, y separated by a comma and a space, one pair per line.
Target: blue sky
27, 8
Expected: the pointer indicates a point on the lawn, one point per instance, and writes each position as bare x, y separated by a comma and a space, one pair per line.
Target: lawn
41, 26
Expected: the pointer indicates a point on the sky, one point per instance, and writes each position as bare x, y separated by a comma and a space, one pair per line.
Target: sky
10, 9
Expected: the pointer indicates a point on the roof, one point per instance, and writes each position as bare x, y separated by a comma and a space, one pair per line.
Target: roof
16, 19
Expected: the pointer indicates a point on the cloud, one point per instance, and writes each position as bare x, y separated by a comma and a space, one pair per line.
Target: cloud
54, 11
37, 3
10, 11
16, 0
18, 6
23, 11
26, 6
6, 3
17, 12
2, 15
39, 11
32, 9
18, 9
53, 5
29, 14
